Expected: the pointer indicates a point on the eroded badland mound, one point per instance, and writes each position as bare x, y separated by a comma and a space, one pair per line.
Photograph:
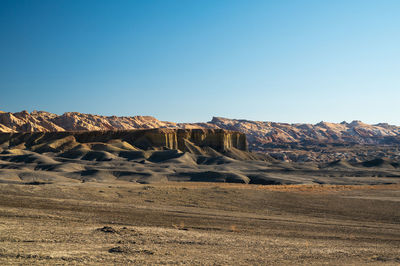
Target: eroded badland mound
161, 155
144, 156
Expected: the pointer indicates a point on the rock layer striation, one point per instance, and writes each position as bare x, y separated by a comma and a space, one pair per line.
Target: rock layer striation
185, 140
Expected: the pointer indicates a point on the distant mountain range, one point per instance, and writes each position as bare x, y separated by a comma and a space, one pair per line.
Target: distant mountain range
260, 135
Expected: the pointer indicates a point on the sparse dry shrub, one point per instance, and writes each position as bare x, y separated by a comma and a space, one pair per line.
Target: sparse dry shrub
180, 226
233, 228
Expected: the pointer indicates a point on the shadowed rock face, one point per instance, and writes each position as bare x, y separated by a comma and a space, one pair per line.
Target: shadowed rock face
146, 139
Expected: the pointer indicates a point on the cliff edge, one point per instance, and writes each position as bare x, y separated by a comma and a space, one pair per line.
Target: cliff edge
185, 140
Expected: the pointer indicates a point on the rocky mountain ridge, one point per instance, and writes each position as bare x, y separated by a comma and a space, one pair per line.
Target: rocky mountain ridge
355, 132
257, 131
41, 121
292, 142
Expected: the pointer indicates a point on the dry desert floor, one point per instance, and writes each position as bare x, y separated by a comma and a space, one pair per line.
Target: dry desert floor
198, 224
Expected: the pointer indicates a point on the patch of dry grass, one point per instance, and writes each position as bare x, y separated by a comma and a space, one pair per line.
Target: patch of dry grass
284, 188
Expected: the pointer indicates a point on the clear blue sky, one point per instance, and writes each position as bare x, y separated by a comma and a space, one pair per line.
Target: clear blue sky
189, 60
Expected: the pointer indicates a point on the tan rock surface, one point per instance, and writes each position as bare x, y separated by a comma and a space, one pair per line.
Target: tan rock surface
41, 121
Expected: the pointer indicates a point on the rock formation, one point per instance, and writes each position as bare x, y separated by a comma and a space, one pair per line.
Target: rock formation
185, 140
40, 121
258, 132
292, 142
269, 132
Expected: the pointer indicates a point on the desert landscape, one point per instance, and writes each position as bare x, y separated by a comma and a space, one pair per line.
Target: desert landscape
173, 153
191, 194
176, 132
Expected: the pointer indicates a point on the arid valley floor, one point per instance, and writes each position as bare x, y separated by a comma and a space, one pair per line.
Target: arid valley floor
195, 197
204, 132
199, 223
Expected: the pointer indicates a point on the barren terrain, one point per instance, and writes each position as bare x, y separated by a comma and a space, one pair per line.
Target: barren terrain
199, 197
199, 223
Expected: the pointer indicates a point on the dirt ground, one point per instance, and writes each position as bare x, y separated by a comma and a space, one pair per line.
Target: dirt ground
199, 224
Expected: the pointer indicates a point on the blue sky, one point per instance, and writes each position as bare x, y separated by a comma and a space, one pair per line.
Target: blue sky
186, 61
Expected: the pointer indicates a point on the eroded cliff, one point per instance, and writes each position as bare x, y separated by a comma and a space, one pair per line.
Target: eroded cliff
185, 140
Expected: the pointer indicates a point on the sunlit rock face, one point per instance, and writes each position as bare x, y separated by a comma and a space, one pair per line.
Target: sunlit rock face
259, 132
40, 121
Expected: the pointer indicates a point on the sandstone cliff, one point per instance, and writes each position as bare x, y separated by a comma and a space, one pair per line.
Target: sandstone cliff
185, 140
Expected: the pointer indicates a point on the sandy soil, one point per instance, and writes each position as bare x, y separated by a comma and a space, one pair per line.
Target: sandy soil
199, 223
